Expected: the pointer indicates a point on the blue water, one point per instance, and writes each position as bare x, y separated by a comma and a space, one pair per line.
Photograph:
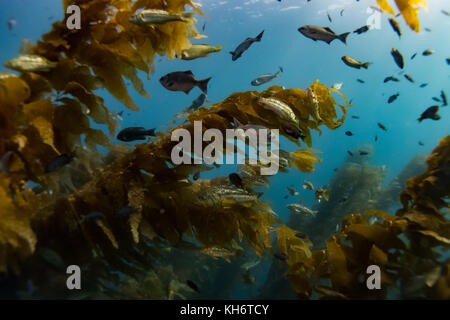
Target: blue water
304, 61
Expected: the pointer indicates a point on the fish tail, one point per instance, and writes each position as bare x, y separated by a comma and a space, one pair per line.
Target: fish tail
151, 132
259, 36
420, 119
343, 37
366, 65
217, 48
203, 85
187, 16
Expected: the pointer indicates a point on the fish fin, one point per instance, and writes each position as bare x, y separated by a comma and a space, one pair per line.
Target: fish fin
329, 30
151, 132
231, 52
366, 65
187, 90
236, 122
187, 16
281, 69
343, 37
188, 72
203, 85
259, 36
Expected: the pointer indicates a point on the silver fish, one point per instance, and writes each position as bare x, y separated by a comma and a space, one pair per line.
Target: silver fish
30, 63
154, 16
278, 107
297, 208
216, 195
266, 78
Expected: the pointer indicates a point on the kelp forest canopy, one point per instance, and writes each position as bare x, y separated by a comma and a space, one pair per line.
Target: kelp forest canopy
123, 210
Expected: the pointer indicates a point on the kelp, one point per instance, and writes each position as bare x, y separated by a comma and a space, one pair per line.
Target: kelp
409, 9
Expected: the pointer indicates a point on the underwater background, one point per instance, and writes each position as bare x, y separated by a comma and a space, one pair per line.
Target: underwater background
303, 61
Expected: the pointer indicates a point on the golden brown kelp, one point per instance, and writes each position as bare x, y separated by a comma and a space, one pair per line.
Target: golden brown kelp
409, 9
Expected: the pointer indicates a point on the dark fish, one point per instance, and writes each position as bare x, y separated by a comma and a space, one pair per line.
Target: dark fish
300, 235
329, 17
382, 126
235, 180
430, 113
360, 81
393, 97
93, 216
11, 24
126, 211
398, 58
445, 12
427, 29
363, 153
204, 26
414, 55
236, 54
192, 285
428, 52
355, 117
423, 85
361, 30
448, 61
342, 12
376, 138
135, 133
280, 256
196, 176
57, 163
292, 130
444, 98
348, 133
436, 99
421, 143
394, 24
409, 78
198, 102
183, 81
391, 78
322, 33
350, 153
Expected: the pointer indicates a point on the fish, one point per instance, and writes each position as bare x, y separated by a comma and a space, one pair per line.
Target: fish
217, 196
250, 265
427, 29
381, 126
315, 104
430, 113
30, 63
428, 52
192, 285
413, 56
322, 34
183, 81
393, 97
363, 29
398, 58
436, 99
238, 125
296, 208
444, 98
360, 81
445, 12
342, 12
248, 277
204, 27
307, 185
243, 46
11, 24
199, 51
337, 86
421, 143
280, 256
390, 78
355, 117
197, 103
218, 252
235, 180
156, 16
322, 194
350, 153
348, 133
423, 85
265, 78
292, 191
394, 24
292, 130
196, 176
57, 163
93, 216
329, 17
376, 138
135, 133
409, 78
278, 107
448, 61
355, 63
